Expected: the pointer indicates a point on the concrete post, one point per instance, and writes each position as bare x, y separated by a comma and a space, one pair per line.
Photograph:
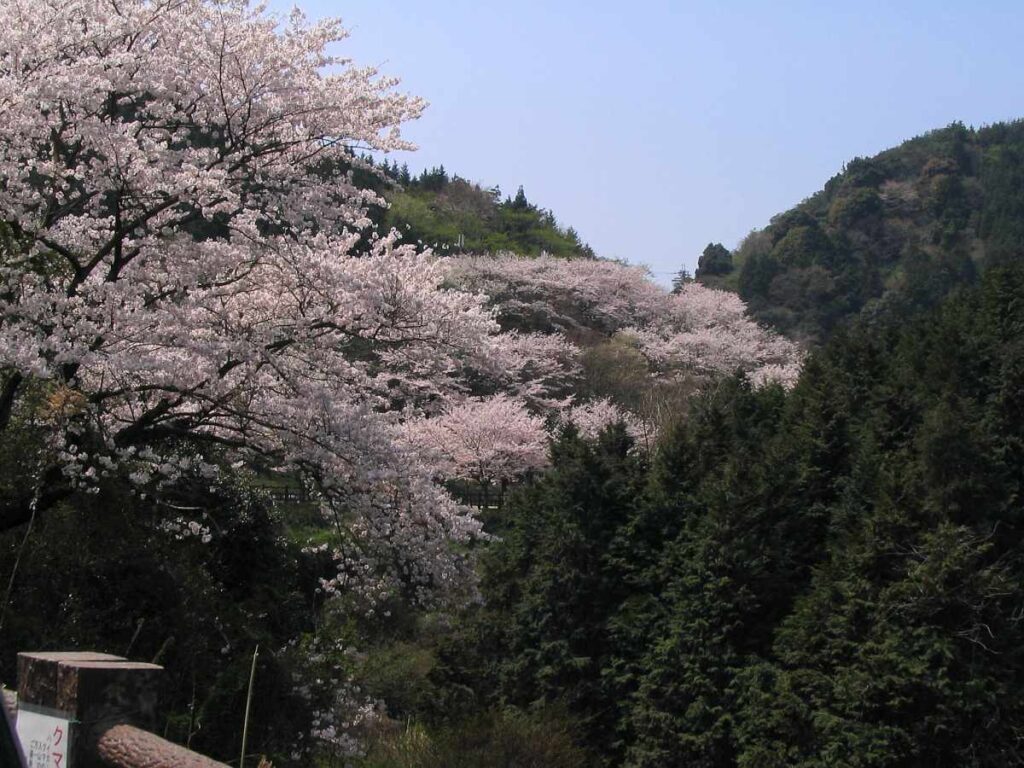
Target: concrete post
92, 692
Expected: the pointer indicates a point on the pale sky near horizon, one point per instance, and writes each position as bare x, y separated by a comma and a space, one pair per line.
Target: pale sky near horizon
656, 127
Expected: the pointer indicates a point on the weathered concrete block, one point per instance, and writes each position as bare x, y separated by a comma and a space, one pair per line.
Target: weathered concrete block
94, 691
37, 673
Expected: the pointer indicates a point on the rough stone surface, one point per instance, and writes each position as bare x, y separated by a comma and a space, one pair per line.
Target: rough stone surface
94, 690
10, 702
107, 697
101, 694
125, 746
37, 673
10, 751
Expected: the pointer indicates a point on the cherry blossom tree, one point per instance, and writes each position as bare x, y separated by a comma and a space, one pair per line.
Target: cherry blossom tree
706, 332
541, 368
594, 416
696, 332
183, 266
488, 441
186, 274
552, 294
676, 341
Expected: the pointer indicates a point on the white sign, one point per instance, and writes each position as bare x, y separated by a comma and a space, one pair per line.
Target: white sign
45, 736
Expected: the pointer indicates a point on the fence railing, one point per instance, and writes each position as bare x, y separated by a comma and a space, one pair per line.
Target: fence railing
88, 710
482, 495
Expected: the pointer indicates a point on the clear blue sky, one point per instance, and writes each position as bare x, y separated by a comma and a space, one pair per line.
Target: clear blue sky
656, 127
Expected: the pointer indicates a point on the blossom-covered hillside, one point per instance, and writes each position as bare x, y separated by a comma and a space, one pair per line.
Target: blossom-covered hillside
195, 305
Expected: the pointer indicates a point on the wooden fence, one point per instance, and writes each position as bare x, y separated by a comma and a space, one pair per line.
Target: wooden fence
87, 710
473, 494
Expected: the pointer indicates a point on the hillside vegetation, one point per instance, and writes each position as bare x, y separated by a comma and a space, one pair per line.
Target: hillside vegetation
888, 236
453, 215
506, 509
828, 576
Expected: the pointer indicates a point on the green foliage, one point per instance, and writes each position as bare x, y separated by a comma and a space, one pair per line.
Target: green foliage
860, 209
681, 278
113, 572
615, 368
399, 673
493, 739
714, 264
551, 586
831, 576
715, 260
937, 210
828, 576
451, 214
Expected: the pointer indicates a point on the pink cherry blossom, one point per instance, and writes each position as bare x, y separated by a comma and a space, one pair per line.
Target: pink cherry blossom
186, 264
184, 258
594, 416
698, 332
485, 440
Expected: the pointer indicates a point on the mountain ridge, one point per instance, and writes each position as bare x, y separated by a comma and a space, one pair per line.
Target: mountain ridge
887, 236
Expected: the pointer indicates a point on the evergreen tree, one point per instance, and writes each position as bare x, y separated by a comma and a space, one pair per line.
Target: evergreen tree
520, 202
830, 576
681, 278
715, 260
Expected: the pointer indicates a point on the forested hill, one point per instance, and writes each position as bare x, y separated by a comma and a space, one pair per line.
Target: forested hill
451, 215
888, 236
